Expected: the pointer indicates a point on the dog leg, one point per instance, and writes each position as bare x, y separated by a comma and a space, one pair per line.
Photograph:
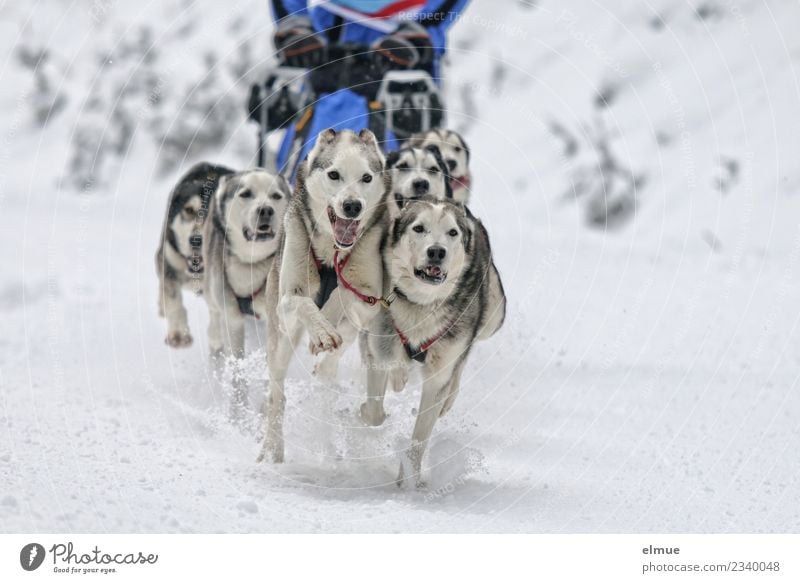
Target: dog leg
215, 344
178, 335
322, 334
235, 344
372, 411
434, 391
455, 386
280, 345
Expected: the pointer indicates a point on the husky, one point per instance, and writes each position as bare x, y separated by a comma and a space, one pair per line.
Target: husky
417, 172
179, 259
443, 294
456, 154
241, 237
327, 278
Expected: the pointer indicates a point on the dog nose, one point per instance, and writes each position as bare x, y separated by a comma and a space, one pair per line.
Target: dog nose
436, 253
265, 212
196, 241
421, 186
351, 208
452, 164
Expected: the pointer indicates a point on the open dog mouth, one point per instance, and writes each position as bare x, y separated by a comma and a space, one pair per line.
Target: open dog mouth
262, 233
431, 274
345, 231
459, 182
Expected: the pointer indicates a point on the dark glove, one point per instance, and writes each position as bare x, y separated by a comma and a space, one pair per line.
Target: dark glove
298, 44
408, 47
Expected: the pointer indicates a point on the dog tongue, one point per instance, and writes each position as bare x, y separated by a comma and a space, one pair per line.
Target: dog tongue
344, 230
433, 271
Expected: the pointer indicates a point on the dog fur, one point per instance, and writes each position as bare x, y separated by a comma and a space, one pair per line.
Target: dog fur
338, 209
241, 237
445, 294
417, 172
179, 259
456, 154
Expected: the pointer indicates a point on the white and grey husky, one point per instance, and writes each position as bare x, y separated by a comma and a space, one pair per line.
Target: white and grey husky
241, 236
444, 293
327, 278
179, 259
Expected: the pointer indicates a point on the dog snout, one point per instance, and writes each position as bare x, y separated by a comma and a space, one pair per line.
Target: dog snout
436, 254
265, 217
421, 186
352, 208
451, 164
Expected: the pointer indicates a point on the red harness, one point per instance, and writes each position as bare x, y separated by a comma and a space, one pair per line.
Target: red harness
339, 266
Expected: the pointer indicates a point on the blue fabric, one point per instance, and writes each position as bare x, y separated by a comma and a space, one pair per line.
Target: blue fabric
345, 109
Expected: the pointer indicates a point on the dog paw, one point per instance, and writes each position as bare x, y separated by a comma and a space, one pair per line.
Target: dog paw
178, 339
323, 338
373, 416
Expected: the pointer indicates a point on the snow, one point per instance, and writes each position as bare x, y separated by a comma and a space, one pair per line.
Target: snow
645, 379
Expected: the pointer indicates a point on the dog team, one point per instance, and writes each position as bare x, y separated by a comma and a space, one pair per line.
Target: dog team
379, 249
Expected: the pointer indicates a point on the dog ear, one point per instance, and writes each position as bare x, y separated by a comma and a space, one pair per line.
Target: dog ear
368, 137
326, 136
468, 223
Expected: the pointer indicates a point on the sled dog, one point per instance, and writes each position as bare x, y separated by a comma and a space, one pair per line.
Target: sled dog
241, 236
444, 294
417, 172
456, 154
327, 278
179, 259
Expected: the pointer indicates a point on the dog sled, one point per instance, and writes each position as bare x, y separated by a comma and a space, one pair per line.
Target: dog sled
356, 94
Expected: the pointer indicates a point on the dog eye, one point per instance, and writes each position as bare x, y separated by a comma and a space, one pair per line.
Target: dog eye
403, 166
457, 149
433, 169
333, 175
275, 196
366, 178
246, 194
453, 233
418, 228
188, 211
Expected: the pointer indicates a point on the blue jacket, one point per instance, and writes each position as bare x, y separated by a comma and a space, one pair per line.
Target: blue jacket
345, 109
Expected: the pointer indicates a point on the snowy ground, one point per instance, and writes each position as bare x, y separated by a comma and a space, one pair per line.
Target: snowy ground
646, 378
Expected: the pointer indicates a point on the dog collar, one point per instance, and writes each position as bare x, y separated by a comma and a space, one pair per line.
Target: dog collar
420, 352
339, 266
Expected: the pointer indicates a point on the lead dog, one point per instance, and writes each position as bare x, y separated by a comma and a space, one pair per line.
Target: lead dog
456, 154
241, 237
444, 294
179, 259
327, 278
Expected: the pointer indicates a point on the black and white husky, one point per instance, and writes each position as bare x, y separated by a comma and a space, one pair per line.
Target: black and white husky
456, 154
179, 259
327, 278
444, 293
242, 234
417, 172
